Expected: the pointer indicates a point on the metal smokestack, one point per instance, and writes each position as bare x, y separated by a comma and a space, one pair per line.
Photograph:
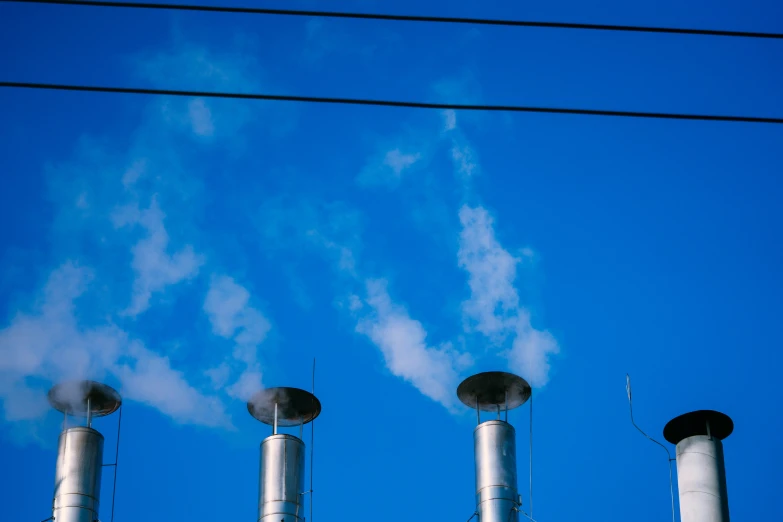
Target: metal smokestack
281, 476
701, 475
497, 498
80, 450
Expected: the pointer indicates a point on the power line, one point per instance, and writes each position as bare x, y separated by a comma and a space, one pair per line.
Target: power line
408, 18
389, 103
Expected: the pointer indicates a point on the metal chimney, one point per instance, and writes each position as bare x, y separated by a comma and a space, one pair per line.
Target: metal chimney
80, 450
281, 478
701, 476
497, 499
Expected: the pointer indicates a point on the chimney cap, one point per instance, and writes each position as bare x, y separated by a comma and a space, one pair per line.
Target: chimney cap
488, 390
695, 423
70, 397
294, 406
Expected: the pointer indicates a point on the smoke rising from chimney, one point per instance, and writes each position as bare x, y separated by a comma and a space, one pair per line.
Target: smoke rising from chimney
227, 305
493, 308
48, 345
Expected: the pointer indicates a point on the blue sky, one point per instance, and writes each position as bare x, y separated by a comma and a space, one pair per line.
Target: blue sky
188, 251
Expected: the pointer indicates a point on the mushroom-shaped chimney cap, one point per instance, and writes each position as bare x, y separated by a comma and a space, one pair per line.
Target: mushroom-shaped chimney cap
695, 423
70, 397
294, 406
486, 391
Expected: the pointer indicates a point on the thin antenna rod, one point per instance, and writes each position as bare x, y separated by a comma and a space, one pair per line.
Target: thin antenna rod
669, 455
312, 441
531, 454
89, 413
116, 461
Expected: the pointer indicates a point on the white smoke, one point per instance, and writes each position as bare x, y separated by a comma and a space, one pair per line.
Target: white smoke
493, 307
403, 343
333, 231
48, 344
228, 306
154, 267
102, 199
493, 303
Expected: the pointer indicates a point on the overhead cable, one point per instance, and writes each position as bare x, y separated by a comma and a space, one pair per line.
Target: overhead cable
390, 103
407, 18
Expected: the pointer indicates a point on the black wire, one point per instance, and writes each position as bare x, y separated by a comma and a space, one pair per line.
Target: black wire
531, 454
409, 18
391, 103
116, 461
312, 446
669, 455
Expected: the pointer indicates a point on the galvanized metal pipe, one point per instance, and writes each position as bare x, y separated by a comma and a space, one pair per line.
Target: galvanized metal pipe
78, 475
281, 479
497, 499
701, 480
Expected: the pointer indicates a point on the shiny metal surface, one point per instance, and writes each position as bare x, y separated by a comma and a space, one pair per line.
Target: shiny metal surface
281, 479
84, 398
701, 480
497, 499
78, 475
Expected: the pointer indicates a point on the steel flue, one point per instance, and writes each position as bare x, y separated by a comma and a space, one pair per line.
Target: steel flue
77, 484
494, 442
701, 473
497, 499
281, 479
